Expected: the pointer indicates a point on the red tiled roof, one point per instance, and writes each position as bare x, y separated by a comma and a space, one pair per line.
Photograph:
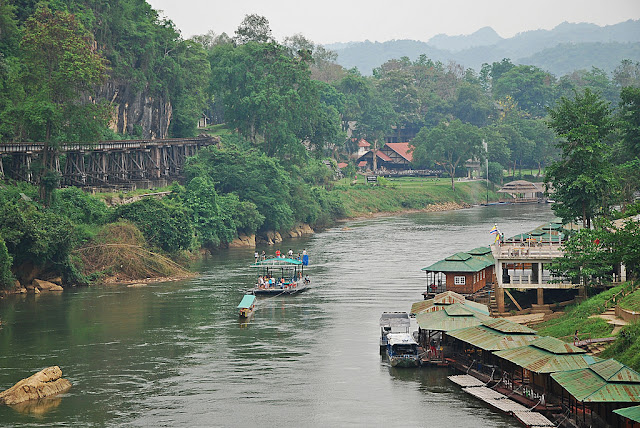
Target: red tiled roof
383, 156
402, 149
363, 143
342, 164
362, 163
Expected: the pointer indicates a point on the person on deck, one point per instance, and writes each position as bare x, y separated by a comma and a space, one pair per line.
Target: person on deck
278, 253
256, 255
264, 255
432, 348
290, 253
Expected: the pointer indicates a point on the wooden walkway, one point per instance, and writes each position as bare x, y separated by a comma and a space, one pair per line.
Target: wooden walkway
501, 402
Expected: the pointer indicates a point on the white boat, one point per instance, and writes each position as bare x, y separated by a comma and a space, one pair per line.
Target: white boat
402, 350
393, 322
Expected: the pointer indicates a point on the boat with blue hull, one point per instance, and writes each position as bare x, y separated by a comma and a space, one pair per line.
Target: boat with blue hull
402, 350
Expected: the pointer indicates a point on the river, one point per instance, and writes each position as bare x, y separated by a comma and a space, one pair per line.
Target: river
175, 354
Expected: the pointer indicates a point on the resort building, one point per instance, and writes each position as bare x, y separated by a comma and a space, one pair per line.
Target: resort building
464, 273
392, 156
522, 191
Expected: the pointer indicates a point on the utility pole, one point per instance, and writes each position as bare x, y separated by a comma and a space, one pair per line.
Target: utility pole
486, 156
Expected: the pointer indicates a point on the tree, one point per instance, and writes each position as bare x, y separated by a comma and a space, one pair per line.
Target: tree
253, 28
60, 64
447, 145
375, 122
582, 179
529, 86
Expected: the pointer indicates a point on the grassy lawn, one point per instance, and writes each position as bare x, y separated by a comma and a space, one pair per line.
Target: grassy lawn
407, 193
576, 317
632, 301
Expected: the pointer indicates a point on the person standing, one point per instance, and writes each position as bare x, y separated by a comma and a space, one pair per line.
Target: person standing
256, 255
278, 253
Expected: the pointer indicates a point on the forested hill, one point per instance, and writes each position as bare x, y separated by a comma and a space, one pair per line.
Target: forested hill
566, 48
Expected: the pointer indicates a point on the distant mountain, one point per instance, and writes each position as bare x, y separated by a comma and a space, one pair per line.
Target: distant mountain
566, 48
485, 36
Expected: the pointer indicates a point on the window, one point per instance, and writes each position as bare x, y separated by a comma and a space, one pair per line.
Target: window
459, 280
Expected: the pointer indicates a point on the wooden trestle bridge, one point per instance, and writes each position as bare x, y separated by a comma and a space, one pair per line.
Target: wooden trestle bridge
105, 163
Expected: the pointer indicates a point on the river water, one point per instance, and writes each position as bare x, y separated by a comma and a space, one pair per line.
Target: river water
175, 354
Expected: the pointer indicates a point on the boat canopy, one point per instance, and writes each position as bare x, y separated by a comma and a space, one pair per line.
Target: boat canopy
395, 319
247, 301
400, 339
277, 262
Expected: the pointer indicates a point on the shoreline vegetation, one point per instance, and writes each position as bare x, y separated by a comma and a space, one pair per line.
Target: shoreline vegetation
114, 244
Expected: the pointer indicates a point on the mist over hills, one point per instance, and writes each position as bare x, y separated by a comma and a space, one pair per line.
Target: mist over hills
567, 47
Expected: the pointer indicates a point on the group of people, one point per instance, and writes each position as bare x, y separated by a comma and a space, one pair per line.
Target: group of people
268, 281
279, 254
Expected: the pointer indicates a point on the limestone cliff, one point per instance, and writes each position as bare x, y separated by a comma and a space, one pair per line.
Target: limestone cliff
132, 106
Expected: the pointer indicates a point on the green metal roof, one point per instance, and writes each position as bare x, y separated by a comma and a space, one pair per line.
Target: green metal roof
556, 346
588, 386
614, 371
540, 360
442, 321
480, 251
632, 413
458, 310
459, 262
444, 300
489, 339
247, 301
507, 327
277, 262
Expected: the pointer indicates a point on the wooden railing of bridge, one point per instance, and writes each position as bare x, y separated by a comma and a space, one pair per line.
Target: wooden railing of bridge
103, 163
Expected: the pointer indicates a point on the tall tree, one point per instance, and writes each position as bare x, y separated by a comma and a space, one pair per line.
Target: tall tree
253, 28
582, 179
447, 145
60, 64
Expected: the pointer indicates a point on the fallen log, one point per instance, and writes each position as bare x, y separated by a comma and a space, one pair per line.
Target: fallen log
45, 383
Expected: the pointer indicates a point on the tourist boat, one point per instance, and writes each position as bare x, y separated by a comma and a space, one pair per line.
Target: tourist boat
280, 276
393, 322
402, 350
247, 306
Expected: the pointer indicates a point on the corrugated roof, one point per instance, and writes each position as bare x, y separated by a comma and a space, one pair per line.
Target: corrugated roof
505, 326
442, 321
632, 413
539, 360
556, 346
478, 307
458, 310
448, 298
586, 385
443, 300
363, 143
383, 156
614, 371
489, 339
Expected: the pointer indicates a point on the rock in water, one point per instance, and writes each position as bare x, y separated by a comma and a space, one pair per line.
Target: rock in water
43, 384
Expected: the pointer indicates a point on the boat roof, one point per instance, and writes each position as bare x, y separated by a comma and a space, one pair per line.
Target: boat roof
277, 262
247, 301
396, 319
400, 339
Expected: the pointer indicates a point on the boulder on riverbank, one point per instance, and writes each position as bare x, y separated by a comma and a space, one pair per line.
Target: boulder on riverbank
243, 241
46, 285
45, 383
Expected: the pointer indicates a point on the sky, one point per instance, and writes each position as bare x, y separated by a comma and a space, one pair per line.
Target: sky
331, 21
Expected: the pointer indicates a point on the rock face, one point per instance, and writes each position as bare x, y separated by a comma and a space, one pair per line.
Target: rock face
43, 384
271, 238
133, 108
243, 241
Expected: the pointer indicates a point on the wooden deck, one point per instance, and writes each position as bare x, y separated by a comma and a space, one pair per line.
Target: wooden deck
501, 402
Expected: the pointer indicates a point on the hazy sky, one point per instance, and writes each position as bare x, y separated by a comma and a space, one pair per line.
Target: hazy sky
329, 21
